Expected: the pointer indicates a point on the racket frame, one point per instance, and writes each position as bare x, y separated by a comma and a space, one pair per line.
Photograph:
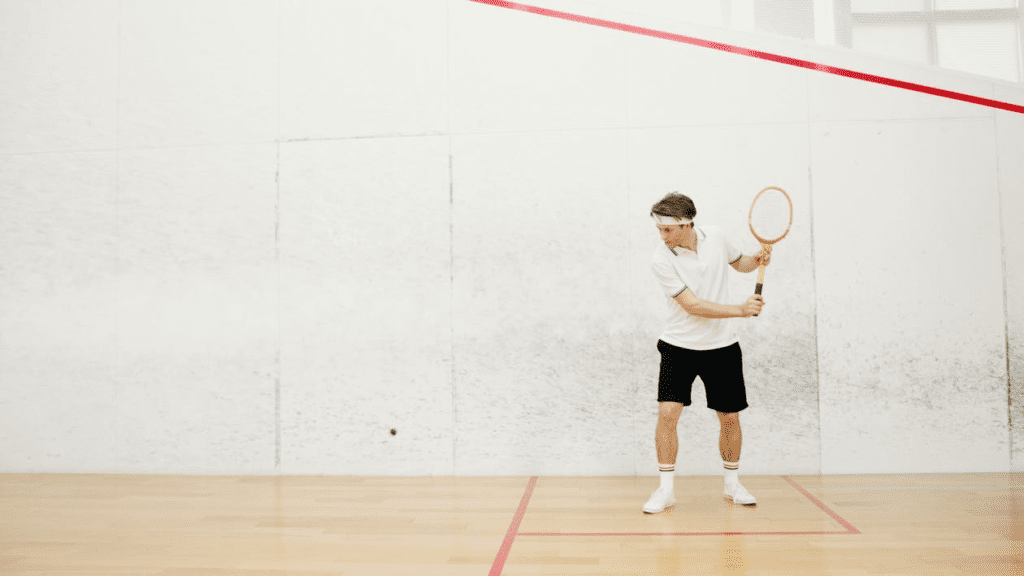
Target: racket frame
766, 244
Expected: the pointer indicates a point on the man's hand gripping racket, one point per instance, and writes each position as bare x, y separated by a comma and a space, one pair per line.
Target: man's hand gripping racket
771, 215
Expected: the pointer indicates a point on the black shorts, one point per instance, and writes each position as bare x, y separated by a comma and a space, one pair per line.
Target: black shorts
721, 370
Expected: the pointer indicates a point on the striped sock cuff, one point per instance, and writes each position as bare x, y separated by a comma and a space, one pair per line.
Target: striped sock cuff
731, 465
666, 467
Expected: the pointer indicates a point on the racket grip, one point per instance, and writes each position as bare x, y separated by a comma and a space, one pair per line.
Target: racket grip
757, 290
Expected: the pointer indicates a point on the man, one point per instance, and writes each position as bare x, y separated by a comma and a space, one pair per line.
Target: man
690, 267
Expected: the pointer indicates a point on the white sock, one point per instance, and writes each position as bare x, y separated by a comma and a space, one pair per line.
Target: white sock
668, 472
732, 472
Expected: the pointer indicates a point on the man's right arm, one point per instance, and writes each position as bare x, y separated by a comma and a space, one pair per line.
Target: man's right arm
706, 309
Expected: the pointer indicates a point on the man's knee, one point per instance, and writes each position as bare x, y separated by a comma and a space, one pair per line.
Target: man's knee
668, 412
729, 420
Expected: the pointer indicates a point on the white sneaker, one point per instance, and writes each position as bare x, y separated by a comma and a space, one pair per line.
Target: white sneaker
660, 500
739, 495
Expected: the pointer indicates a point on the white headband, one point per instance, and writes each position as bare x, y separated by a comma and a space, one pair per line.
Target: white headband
669, 220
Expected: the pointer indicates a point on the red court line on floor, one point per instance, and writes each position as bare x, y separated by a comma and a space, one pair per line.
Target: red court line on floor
812, 533
513, 529
891, 82
849, 527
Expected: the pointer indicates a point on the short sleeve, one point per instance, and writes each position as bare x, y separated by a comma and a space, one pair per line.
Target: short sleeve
668, 279
732, 252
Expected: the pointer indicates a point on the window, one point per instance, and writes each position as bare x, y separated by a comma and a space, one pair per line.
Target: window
976, 36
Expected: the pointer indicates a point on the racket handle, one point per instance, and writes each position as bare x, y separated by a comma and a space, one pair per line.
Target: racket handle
765, 249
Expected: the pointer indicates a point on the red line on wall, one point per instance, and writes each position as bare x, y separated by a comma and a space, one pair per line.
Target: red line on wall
513, 529
891, 82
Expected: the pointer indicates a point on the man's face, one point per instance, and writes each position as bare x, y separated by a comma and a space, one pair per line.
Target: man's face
673, 235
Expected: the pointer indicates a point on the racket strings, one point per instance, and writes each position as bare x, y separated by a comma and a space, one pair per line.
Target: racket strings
771, 215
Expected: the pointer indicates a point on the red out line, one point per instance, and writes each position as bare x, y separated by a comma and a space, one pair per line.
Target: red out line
849, 527
891, 82
513, 529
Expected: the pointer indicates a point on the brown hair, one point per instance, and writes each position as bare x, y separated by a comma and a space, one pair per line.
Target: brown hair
675, 205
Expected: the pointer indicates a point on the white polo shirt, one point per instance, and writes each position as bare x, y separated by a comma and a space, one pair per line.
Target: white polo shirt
705, 273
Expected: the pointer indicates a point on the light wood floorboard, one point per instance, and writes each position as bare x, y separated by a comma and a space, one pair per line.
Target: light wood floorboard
138, 525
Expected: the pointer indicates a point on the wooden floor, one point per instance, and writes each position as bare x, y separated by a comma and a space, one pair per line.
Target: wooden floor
113, 525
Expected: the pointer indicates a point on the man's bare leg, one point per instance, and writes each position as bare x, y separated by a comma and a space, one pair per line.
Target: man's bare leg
730, 438
666, 442
730, 441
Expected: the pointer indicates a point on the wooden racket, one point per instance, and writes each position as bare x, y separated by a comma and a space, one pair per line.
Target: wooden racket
771, 215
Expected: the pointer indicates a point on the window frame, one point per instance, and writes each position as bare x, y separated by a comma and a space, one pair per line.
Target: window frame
846, 19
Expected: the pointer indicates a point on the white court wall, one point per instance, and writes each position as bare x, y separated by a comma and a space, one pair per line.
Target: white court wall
1010, 140
254, 237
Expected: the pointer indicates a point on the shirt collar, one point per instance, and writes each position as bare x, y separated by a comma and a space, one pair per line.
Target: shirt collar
700, 236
